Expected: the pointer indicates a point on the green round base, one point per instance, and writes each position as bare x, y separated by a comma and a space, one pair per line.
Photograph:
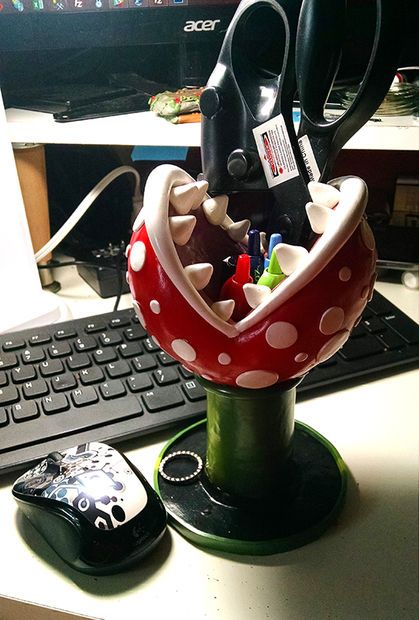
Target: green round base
304, 505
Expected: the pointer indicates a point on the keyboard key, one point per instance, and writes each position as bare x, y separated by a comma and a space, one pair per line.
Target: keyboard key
112, 389
91, 375
84, 396
25, 410
144, 362
110, 339
139, 382
78, 361
3, 378
35, 389
23, 373
165, 359
11, 344
7, 360
408, 330
118, 322
164, 376
392, 340
361, 347
60, 349
121, 368
185, 373
94, 326
380, 305
64, 333
33, 355
85, 343
193, 390
50, 368
135, 333
4, 418
103, 356
164, 397
150, 345
63, 382
130, 350
8, 395
55, 403
374, 325
40, 338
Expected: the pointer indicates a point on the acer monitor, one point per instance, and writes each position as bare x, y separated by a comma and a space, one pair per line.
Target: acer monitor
45, 42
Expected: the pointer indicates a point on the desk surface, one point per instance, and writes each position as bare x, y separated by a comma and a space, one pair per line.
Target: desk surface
364, 567
390, 133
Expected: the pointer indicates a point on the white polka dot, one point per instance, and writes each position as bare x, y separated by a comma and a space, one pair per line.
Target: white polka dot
155, 306
155, 340
301, 357
345, 274
332, 345
331, 320
367, 236
224, 359
255, 379
184, 350
281, 335
127, 277
137, 256
138, 312
207, 377
127, 250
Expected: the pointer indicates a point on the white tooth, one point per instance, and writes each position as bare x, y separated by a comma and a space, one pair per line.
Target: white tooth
290, 257
238, 230
224, 308
324, 194
199, 274
318, 216
255, 293
187, 197
181, 227
215, 209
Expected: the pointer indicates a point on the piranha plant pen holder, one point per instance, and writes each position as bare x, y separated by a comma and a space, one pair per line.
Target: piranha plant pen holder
249, 479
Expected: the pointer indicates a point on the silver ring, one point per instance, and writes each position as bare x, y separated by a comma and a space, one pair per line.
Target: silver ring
181, 454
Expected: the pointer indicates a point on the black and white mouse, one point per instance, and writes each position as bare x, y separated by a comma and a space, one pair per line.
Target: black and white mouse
93, 506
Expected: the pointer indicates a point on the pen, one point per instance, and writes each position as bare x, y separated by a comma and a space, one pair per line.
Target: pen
274, 239
273, 274
233, 287
256, 257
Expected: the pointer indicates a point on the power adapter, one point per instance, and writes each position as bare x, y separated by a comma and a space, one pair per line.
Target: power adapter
105, 272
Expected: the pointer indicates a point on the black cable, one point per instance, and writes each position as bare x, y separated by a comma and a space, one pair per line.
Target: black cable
118, 267
53, 265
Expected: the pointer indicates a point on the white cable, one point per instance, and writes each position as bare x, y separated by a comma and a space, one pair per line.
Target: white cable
84, 205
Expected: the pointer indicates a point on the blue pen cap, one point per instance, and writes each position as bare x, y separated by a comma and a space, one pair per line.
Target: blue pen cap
275, 238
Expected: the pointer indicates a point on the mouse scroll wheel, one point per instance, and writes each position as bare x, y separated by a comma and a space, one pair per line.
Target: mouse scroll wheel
55, 456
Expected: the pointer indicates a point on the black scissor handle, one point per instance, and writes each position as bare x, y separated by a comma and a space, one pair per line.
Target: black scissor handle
327, 138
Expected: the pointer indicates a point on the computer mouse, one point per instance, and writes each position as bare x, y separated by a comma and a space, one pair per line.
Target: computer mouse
93, 507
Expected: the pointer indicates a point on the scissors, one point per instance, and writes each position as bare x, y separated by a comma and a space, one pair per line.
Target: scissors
248, 136
318, 52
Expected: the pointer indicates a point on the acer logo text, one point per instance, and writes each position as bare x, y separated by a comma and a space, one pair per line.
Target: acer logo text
201, 25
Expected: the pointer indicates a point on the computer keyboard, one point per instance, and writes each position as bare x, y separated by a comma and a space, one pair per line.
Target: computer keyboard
103, 378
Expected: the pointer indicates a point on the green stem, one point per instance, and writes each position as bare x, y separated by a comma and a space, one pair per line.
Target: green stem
249, 437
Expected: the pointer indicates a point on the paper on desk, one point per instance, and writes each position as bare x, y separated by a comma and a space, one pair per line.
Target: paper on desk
15, 609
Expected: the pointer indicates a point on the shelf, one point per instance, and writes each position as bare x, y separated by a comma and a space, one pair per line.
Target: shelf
145, 128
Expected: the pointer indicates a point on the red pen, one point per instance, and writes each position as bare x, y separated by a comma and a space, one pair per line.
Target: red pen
233, 287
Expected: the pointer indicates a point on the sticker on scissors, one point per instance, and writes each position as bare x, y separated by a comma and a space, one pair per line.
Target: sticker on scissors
275, 151
309, 159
